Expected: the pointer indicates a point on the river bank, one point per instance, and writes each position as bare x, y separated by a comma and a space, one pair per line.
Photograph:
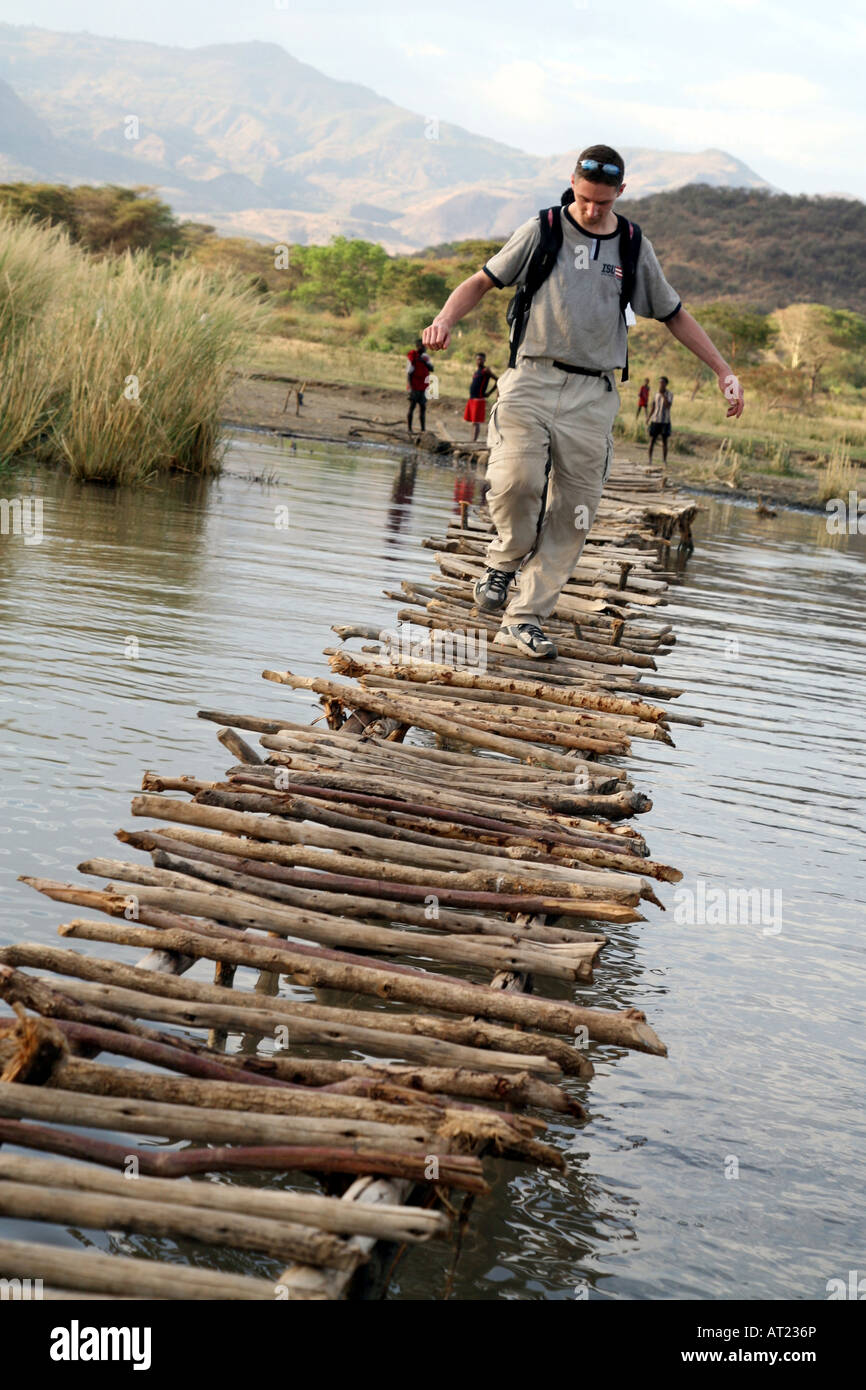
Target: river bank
339, 411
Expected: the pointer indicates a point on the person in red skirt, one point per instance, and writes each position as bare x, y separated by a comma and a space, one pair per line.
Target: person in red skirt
483, 385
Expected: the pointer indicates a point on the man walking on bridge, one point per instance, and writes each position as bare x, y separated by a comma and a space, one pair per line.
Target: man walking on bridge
580, 271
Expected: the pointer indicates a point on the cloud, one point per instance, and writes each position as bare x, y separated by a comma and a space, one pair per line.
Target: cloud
423, 50
519, 89
770, 91
801, 137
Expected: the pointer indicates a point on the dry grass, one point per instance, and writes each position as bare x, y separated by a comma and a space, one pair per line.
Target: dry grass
116, 368
838, 475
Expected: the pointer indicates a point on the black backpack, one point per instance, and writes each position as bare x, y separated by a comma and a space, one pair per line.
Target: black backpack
543, 260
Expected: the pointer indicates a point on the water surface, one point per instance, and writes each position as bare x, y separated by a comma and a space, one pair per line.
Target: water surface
732, 1169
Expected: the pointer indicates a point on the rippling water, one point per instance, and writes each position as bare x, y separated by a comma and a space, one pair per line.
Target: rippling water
731, 1169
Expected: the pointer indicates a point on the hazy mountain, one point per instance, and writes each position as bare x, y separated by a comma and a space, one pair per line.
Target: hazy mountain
248, 138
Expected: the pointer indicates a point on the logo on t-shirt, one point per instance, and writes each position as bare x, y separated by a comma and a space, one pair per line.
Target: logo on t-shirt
608, 269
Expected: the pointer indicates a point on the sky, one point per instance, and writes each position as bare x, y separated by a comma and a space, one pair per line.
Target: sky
777, 83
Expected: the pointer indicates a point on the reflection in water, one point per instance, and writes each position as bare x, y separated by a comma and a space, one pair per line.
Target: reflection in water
464, 492
763, 1030
401, 496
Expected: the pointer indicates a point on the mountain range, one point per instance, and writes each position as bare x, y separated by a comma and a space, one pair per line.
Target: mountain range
252, 141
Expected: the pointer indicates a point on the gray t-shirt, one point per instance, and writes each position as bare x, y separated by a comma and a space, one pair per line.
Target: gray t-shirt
575, 315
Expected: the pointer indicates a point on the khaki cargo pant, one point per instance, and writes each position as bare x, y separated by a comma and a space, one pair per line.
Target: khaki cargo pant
546, 414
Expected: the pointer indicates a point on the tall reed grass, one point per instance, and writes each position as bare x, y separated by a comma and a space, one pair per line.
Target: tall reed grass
116, 368
838, 475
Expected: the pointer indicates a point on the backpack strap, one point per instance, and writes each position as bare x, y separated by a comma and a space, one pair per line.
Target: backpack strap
541, 263
630, 237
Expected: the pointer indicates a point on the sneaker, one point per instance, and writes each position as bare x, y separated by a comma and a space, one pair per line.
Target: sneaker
528, 638
491, 590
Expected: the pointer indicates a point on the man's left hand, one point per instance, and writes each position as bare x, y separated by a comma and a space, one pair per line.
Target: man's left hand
733, 394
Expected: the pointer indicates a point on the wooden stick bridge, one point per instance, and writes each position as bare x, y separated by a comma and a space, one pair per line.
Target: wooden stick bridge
419, 895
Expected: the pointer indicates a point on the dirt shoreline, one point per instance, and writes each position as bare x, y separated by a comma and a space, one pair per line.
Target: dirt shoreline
337, 412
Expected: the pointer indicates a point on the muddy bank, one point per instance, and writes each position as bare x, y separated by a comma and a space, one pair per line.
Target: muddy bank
356, 414
335, 411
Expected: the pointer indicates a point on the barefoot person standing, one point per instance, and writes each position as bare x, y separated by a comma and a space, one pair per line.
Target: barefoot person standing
660, 419
580, 269
483, 384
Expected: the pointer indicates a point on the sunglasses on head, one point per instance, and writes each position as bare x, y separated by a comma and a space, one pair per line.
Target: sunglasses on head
592, 166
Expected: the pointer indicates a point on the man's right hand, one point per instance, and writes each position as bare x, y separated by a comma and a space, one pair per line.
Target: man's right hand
438, 335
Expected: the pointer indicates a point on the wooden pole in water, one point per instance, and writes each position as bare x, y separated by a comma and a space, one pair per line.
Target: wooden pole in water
324, 1213
124, 1276
626, 1028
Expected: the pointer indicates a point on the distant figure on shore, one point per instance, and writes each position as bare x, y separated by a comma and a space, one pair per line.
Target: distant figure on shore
483, 384
419, 368
643, 399
660, 418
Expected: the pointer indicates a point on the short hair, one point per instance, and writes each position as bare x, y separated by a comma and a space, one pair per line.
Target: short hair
419, 342
482, 354
664, 379
604, 154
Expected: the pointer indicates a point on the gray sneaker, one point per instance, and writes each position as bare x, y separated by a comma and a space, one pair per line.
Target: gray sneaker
491, 590
528, 638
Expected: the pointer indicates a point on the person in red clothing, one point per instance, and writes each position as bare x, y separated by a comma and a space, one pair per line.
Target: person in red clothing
643, 399
418, 371
483, 384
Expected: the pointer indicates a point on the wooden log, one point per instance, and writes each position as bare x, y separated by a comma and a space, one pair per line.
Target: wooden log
246, 913
123, 1275
238, 747
546, 833
472, 1033
111, 1032
404, 858
194, 1014
207, 1124
239, 906
455, 1170
443, 618
26, 1201
567, 798
530, 949
71, 1073
608, 710
232, 898
443, 1127
396, 1223
556, 882
384, 708
166, 848
626, 1028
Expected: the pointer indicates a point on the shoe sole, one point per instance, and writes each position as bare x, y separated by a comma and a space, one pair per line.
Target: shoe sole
505, 639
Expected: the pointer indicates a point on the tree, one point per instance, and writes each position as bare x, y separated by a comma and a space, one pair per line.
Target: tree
407, 281
740, 333
106, 220
810, 336
343, 276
